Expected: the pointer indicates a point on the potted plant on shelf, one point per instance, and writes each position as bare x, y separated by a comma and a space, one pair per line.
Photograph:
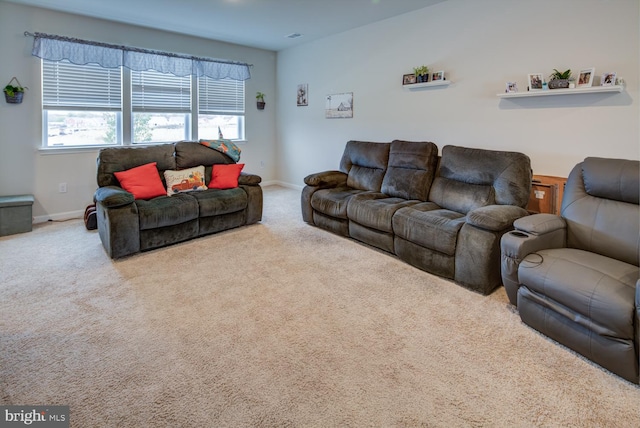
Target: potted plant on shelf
422, 74
13, 94
559, 80
260, 100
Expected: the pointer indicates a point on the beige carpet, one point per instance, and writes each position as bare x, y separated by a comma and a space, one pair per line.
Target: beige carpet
278, 324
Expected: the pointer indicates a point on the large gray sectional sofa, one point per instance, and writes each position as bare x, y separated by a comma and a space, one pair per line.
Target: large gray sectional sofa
127, 226
443, 214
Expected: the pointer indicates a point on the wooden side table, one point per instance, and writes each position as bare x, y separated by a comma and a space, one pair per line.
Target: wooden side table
546, 194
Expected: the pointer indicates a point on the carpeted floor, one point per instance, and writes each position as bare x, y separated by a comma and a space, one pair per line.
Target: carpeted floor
277, 324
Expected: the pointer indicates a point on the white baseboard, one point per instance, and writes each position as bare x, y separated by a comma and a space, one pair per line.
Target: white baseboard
282, 184
70, 215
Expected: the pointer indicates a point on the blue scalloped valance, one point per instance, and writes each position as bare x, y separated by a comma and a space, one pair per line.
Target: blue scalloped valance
77, 51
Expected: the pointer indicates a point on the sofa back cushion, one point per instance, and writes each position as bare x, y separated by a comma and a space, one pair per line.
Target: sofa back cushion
190, 154
470, 178
411, 168
365, 164
600, 206
115, 159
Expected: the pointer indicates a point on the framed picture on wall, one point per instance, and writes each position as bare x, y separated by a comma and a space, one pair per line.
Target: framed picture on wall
608, 79
302, 95
339, 106
585, 78
511, 87
535, 81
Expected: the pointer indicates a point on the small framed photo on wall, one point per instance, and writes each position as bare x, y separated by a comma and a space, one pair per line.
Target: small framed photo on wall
608, 79
302, 95
585, 78
511, 87
535, 81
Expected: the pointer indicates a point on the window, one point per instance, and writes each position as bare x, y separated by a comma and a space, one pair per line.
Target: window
220, 107
161, 105
83, 106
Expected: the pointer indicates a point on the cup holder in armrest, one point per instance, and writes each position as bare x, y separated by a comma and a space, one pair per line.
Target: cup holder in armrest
519, 234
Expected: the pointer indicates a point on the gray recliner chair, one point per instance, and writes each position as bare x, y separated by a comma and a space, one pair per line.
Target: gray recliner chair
575, 277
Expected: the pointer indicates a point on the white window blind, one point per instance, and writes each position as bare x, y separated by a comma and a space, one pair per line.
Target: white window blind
222, 97
81, 87
152, 91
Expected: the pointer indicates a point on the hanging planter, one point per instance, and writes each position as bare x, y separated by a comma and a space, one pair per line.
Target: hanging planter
14, 94
260, 100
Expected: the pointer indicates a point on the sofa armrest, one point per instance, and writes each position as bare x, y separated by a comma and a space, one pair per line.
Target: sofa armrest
249, 179
495, 217
113, 196
533, 233
326, 179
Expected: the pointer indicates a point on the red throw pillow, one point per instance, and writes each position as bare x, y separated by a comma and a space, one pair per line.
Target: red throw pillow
225, 176
143, 181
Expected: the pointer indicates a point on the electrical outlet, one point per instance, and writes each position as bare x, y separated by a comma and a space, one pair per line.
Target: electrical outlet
261, 164
62, 188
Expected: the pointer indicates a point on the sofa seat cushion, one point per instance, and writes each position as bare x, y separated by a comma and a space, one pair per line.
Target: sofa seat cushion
429, 226
333, 202
221, 201
594, 291
167, 211
375, 210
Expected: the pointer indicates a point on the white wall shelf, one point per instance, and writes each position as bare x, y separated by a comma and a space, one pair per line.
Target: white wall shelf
427, 84
575, 91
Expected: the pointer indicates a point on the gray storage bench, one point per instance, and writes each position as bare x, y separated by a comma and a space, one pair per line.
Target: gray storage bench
15, 214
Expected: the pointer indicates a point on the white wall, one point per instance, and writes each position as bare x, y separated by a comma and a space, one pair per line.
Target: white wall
481, 45
24, 169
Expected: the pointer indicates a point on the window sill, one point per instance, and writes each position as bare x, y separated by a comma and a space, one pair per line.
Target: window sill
87, 149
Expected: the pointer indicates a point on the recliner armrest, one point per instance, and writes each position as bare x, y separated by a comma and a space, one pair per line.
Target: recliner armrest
495, 217
326, 179
637, 321
539, 224
113, 196
533, 233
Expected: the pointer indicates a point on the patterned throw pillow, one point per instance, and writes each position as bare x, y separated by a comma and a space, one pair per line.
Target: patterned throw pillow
224, 146
185, 180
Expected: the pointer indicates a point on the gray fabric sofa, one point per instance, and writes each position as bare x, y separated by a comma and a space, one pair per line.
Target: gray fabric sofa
444, 215
127, 226
575, 277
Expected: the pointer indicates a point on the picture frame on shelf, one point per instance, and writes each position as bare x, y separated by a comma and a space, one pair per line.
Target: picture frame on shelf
409, 79
511, 87
608, 79
535, 81
585, 77
437, 76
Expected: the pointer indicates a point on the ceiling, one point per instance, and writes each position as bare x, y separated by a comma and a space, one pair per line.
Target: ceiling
262, 24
